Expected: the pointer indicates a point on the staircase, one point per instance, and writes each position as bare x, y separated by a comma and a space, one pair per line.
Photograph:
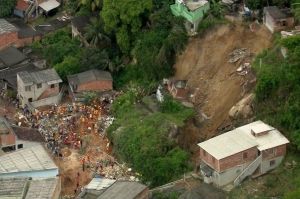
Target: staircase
248, 171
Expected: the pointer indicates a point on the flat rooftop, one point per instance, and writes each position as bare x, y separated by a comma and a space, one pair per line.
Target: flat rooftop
24, 160
12, 187
241, 139
191, 5
42, 188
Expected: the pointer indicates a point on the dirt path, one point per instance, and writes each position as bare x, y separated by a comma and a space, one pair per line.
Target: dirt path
205, 65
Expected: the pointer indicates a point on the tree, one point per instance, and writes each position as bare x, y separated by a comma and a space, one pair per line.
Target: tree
6, 7
253, 4
125, 19
93, 58
95, 33
69, 66
91, 4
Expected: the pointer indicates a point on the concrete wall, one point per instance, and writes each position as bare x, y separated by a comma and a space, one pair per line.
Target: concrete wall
33, 174
49, 100
56, 194
97, 85
266, 166
76, 33
26, 144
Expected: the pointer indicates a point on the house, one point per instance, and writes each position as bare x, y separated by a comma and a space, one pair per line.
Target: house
79, 23
8, 34
9, 76
39, 88
13, 187
10, 57
23, 187
191, 10
32, 162
22, 8
114, 189
95, 187
8, 137
178, 88
46, 7
92, 80
26, 33
27, 137
49, 188
249, 150
276, 19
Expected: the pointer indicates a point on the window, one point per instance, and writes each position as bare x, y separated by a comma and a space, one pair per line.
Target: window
271, 151
20, 146
29, 99
27, 88
39, 86
272, 163
204, 153
283, 23
52, 86
245, 155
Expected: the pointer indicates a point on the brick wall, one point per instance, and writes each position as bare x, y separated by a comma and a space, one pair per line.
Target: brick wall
8, 39
143, 195
279, 151
48, 92
209, 159
289, 23
24, 41
238, 159
97, 85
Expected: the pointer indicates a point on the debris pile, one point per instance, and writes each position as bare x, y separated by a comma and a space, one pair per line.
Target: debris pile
239, 54
243, 69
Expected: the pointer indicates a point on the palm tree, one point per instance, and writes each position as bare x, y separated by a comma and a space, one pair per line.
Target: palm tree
95, 33
92, 3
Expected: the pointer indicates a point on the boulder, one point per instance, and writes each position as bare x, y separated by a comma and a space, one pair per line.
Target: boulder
243, 108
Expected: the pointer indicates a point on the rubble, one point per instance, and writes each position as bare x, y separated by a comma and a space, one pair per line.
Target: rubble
239, 54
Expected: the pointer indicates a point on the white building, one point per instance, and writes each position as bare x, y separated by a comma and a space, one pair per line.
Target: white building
32, 162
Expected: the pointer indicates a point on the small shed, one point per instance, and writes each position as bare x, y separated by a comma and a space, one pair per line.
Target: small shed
276, 19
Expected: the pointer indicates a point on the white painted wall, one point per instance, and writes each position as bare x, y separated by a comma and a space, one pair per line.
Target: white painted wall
34, 174
26, 144
265, 165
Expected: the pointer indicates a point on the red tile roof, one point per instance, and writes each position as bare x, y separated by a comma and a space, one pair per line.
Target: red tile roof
22, 5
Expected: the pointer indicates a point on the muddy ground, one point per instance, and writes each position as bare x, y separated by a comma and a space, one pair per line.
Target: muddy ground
205, 65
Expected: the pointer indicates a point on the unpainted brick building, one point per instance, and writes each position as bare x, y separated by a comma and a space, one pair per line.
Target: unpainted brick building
250, 150
92, 80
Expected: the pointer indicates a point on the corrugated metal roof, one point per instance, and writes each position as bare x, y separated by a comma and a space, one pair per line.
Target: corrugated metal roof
6, 27
123, 189
99, 183
12, 187
227, 144
49, 76
49, 5
42, 188
272, 139
30, 159
241, 139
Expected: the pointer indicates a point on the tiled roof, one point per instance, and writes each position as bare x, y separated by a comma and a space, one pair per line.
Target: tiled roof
22, 5
29, 134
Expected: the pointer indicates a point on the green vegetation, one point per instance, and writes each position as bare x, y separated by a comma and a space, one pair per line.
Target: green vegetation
278, 90
142, 139
6, 7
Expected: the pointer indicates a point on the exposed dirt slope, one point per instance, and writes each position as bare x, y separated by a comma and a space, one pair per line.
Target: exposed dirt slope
205, 65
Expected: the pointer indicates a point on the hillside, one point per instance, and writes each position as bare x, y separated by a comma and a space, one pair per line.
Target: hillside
205, 65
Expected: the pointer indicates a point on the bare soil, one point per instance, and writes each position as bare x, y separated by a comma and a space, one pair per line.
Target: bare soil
205, 65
